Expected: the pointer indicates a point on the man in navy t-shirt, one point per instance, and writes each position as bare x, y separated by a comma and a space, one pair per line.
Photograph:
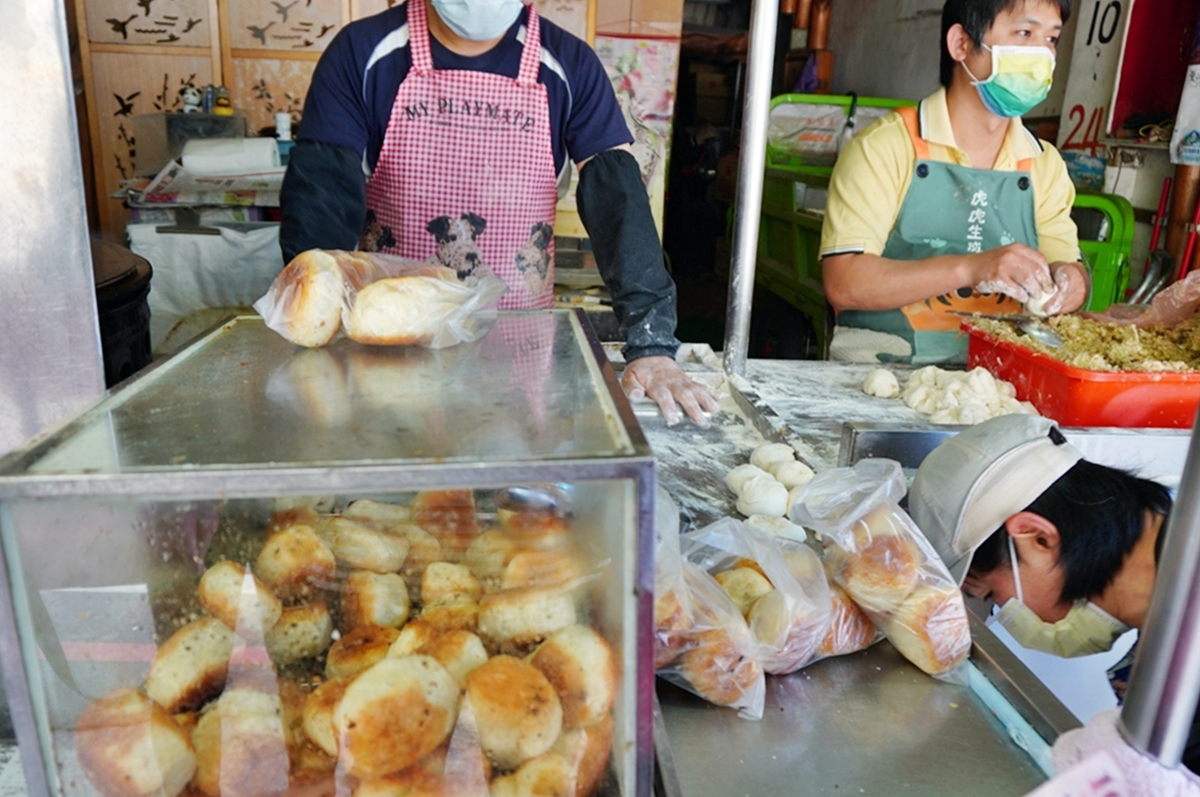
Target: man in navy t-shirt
354, 133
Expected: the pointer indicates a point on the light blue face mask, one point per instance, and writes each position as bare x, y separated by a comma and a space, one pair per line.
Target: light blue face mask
1021, 78
478, 20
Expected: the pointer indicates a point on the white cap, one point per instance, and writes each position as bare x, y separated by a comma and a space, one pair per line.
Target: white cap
973, 482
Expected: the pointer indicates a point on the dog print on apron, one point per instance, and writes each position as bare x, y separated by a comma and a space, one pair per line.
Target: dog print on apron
466, 174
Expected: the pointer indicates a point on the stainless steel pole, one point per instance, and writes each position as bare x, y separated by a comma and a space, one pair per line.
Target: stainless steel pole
1165, 683
760, 64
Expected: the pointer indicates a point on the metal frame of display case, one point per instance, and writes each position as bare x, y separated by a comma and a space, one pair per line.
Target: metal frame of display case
227, 482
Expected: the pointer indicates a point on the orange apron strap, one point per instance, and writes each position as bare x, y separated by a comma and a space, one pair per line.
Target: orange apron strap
1025, 165
911, 121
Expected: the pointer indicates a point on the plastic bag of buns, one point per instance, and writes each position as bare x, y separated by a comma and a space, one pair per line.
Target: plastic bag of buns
672, 604
377, 299
878, 556
783, 594
716, 653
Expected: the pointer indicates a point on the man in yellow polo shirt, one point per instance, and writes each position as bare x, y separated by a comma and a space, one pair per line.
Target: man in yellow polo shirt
953, 206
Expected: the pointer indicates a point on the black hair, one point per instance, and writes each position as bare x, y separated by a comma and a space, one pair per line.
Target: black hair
976, 17
1100, 514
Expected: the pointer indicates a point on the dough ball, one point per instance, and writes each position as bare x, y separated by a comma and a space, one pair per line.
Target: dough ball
129, 747
190, 667
359, 650
881, 383
374, 599
241, 746
295, 564
762, 495
452, 614
768, 454
367, 548
587, 751
885, 565
793, 496
378, 513
517, 710
395, 714
548, 775
735, 478
776, 527
318, 713
302, 632
513, 620
716, 670
930, 629
220, 593
850, 629
404, 311
792, 474
744, 586
579, 664
442, 580
1036, 305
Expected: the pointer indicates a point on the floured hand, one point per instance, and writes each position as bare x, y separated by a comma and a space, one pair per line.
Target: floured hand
662, 380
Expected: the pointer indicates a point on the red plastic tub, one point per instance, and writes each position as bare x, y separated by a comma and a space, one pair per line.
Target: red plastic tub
1079, 397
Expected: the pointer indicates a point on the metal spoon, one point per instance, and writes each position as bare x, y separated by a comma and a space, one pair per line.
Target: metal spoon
1032, 326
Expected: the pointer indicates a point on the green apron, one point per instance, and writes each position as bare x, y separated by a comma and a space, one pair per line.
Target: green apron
950, 210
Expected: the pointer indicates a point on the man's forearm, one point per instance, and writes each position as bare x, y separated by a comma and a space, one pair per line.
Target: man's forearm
323, 199
871, 282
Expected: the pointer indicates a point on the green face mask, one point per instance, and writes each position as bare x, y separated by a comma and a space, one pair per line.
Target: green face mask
1085, 630
1021, 78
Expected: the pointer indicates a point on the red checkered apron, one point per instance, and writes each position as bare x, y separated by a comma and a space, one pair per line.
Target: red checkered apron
467, 146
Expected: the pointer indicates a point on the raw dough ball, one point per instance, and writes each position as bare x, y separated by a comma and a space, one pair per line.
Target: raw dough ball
768, 454
793, 496
762, 495
776, 526
1037, 304
738, 476
881, 383
792, 474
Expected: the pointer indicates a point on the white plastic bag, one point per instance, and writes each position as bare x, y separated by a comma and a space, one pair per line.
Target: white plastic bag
876, 553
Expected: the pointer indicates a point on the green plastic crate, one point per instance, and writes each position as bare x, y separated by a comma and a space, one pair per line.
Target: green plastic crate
1108, 258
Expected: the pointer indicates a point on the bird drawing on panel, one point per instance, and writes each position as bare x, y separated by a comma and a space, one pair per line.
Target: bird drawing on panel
121, 26
260, 33
170, 39
145, 5
325, 29
305, 43
282, 9
191, 23
125, 104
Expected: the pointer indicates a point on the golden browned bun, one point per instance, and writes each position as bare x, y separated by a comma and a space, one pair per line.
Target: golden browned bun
533, 528
587, 751
517, 711
368, 548
317, 715
579, 665
423, 550
220, 593
303, 632
312, 768
414, 637
395, 714
514, 619
191, 666
850, 629
885, 567
129, 747
459, 652
374, 599
293, 516
443, 580
310, 291
242, 745
456, 769
744, 586
671, 624
295, 564
549, 568
378, 513
716, 670
452, 614
487, 556
548, 775
403, 311
930, 629
449, 515
359, 650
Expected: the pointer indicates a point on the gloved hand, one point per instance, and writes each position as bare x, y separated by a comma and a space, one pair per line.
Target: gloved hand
1016, 270
665, 382
1070, 290
1144, 777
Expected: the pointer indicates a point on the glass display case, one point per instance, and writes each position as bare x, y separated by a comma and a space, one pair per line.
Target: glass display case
256, 569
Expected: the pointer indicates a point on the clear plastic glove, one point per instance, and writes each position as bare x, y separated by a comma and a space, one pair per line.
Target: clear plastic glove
662, 380
1176, 304
1015, 270
1070, 290
1144, 777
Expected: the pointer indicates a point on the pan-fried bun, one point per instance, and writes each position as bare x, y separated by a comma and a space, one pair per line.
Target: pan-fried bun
930, 629
377, 512
516, 710
850, 629
129, 747
242, 745
191, 666
449, 515
395, 714
717, 671
459, 652
423, 550
443, 580
403, 311
374, 599
368, 548
487, 556
743, 585
884, 567
359, 650
579, 664
550, 568
295, 564
318, 713
303, 632
587, 751
452, 614
514, 619
310, 290
548, 775
220, 593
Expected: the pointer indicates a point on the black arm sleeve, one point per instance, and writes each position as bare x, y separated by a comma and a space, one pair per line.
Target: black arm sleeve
323, 199
615, 210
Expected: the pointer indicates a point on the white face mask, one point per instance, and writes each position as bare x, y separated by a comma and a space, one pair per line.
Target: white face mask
1085, 630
